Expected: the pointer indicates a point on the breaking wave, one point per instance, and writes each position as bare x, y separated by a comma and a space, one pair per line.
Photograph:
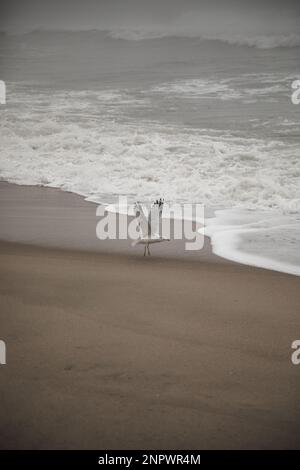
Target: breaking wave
86, 142
258, 41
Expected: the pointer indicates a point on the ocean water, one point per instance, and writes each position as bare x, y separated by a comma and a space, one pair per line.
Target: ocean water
189, 119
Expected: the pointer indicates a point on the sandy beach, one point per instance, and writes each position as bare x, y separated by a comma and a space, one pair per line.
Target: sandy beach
107, 349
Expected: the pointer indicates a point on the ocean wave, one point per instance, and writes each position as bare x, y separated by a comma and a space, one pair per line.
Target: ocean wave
261, 41
257, 238
241, 87
199, 87
85, 142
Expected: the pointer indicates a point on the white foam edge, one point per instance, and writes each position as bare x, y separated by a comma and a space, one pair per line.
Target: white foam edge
226, 242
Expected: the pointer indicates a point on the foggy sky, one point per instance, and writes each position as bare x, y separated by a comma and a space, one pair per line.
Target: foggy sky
248, 17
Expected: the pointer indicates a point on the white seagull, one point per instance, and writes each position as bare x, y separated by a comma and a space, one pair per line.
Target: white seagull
149, 225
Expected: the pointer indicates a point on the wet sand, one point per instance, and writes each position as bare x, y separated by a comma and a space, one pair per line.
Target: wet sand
106, 349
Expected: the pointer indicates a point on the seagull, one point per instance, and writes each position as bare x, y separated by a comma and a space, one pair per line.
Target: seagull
149, 225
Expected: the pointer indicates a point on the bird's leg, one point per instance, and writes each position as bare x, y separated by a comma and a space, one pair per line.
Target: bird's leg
145, 250
148, 250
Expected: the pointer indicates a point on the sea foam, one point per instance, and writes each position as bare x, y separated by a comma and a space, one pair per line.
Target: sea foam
86, 142
90, 143
256, 238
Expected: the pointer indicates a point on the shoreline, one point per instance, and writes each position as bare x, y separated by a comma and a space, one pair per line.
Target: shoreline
50, 217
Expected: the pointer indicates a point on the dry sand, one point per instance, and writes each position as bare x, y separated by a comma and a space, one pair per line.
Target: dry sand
116, 351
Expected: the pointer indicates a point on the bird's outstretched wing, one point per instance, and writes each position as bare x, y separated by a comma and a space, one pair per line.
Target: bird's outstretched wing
143, 222
154, 218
